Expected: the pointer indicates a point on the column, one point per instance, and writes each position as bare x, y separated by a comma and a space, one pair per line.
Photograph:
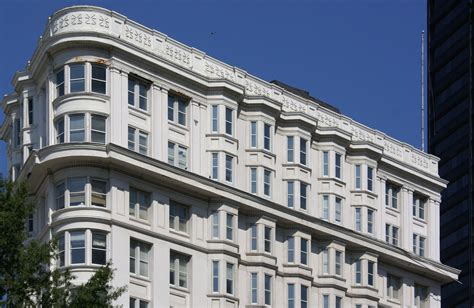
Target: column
156, 110
433, 239
164, 123
195, 137
380, 216
115, 110
406, 219
50, 94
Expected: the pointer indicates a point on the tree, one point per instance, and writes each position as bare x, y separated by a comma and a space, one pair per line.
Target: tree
26, 275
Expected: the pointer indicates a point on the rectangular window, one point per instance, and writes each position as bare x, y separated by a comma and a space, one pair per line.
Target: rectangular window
357, 177
99, 248
338, 210
338, 166
391, 195
98, 128
229, 121
370, 221
229, 227
137, 93
268, 239
215, 276
267, 136
78, 247
17, 132
253, 180
98, 192
253, 134
30, 111
179, 216
179, 151
76, 79
179, 269
418, 206
391, 234
418, 245
230, 278
304, 251
393, 286
325, 207
325, 301
421, 296
325, 261
229, 162
177, 109
60, 131
290, 142
139, 258
303, 151
291, 295
77, 194
142, 142
253, 287
137, 303
131, 138
370, 273
358, 272
267, 182
171, 154
304, 297
338, 263
303, 195
253, 238
370, 179
59, 193
215, 166
338, 302
291, 249
325, 163
77, 128
215, 224
142, 145
60, 83
358, 219
290, 193
215, 119
98, 84
268, 289
61, 248
139, 203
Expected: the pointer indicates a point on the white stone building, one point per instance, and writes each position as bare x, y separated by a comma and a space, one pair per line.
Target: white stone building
208, 187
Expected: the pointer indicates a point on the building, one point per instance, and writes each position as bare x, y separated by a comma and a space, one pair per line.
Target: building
450, 137
208, 187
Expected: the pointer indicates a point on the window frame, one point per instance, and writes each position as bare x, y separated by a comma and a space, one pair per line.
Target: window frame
267, 139
303, 151
176, 157
253, 180
175, 221
137, 206
214, 118
304, 187
229, 168
176, 269
358, 177
138, 84
138, 134
267, 185
229, 121
290, 194
290, 149
253, 134
175, 102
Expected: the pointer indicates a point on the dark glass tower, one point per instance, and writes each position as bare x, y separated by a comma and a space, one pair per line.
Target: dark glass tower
450, 136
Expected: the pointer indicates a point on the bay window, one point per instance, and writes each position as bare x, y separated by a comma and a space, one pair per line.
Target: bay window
290, 143
84, 246
77, 246
81, 127
290, 194
267, 130
215, 276
267, 182
253, 288
303, 195
215, 118
338, 166
99, 247
304, 251
230, 278
76, 78
358, 180
229, 121
303, 151
253, 134
370, 179
99, 79
60, 83
81, 77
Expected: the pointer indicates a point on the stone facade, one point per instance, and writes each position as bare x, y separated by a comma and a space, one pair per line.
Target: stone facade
208, 187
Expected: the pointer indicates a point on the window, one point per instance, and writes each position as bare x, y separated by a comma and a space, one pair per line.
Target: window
137, 303
421, 296
391, 195
338, 210
178, 269
290, 142
99, 247
268, 239
215, 119
325, 261
253, 287
179, 151
98, 128
419, 245
338, 166
61, 248
253, 238
229, 162
370, 221
229, 278
358, 218
177, 109
98, 84
60, 83
30, 111
215, 276
76, 128
370, 273
30, 224
139, 258
139, 203
391, 234
76, 79
215, 224
59, 194
303, 194
179, 215
253, 180
77, 132
228, 121
304, 297
215, 166
418, 206
137, 93
338, 263
358, 272
325, 207
78, 247
135, 134
303, 151
77, 194
370, 179
291, 193
393, 286
60, 131
291, 295
325, 301
253, 134
267, 136
325, 163
229, 227
291, 249
357, 177
304, 251
17, 131
267, 182
98, 192
268, 289
338, 302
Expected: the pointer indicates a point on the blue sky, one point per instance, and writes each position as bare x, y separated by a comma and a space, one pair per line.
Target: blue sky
361, 56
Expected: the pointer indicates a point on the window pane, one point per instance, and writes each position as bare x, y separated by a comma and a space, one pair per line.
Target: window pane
228, 168
181, 112
215, 119
76, 85
228, 121
171, 108
266, 136
290, 194
291, 146
77, 71
303, 145
77, 242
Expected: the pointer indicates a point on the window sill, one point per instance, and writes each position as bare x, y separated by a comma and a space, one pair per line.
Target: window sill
419, 220
178, 127
139, 220
180, 233
293, 164
80, 207
364, 191
337, 277
64, 98
334, 179
224, 296
391, 209
226, 242
179, 289
261, 254
394, 301
139, 111
263, 151
140, 278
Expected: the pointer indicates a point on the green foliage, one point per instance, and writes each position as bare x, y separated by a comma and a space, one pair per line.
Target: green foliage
25, 273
